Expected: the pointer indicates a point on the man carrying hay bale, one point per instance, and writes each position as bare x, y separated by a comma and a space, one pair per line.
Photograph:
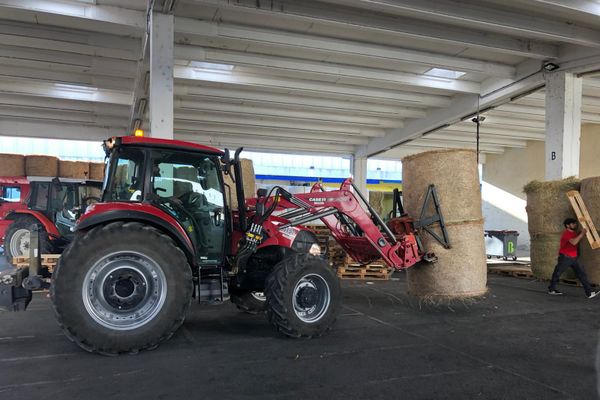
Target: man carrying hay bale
567, 257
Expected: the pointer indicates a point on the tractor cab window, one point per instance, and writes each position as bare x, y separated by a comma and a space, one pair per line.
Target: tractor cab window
126, 182
11, 193
39, 196
65, 202
188, 186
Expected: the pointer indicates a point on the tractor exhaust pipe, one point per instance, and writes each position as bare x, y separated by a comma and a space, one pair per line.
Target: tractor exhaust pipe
239, 188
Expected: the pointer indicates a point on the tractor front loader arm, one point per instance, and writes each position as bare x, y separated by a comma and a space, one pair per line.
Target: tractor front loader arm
351, 226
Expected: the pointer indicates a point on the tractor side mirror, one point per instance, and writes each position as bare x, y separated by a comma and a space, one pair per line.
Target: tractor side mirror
226, 160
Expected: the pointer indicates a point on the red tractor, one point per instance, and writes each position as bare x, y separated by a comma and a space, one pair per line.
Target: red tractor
166, 232
53, 206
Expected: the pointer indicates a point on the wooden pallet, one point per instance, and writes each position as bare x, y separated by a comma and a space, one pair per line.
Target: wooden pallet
47, 260
584, 218
364, 272
517, 272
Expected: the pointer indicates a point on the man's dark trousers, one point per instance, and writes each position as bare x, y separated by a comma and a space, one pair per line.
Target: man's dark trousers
565, 262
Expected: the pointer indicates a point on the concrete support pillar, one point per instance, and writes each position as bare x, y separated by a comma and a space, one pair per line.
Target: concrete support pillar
161, 75
358, 166
563, 125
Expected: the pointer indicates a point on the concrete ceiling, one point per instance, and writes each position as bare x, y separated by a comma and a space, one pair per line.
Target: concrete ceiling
328, 76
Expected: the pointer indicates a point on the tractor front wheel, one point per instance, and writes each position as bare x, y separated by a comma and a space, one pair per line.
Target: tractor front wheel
121, 288
303, 296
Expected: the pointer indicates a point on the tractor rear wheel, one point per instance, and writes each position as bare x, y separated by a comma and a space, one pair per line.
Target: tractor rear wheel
249, 302
18, 236
303, 296
121, 288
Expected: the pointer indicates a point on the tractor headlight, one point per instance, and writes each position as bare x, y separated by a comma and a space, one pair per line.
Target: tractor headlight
315, 250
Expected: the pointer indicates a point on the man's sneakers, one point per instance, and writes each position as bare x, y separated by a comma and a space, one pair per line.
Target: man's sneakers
555, 292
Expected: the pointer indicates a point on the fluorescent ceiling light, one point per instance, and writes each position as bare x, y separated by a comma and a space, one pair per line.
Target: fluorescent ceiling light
75, 88
211, 66
444, 73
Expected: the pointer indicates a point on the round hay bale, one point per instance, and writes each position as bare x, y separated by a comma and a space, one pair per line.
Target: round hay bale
12, 165
73, 169
96, 171
459, 272
186, 173
184, 176
548, 205
249, 179
456, 178
41, 166
544, 255
376, 201
590, 193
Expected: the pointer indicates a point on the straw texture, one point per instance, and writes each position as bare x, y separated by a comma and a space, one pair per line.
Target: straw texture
12, 165
96, 171
459, 272
590, 193
73, 169
249, 179
41, 166
548, 205
376, 201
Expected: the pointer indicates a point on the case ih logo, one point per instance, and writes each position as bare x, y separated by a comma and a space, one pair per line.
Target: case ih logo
321, 199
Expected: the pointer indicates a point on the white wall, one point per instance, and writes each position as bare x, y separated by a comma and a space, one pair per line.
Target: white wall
505, 175
502, 191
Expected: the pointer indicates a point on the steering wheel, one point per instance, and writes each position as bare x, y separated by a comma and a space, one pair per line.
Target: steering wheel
193, 199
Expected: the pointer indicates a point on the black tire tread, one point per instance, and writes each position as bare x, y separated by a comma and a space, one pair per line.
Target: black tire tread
277, 311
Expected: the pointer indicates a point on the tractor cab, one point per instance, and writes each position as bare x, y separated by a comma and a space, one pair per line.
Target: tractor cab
186, 184
62, 200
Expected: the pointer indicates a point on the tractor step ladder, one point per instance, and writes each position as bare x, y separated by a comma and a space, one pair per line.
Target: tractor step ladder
584, 218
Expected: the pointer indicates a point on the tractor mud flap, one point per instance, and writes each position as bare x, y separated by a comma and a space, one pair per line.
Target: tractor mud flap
14, 298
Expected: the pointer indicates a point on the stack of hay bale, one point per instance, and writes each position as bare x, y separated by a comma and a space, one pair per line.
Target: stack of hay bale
49, 166
590, 193
547, 208
461, 271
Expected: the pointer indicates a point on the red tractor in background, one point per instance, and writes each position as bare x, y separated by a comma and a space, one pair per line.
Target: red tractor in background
166, 232
13, 193
53, 205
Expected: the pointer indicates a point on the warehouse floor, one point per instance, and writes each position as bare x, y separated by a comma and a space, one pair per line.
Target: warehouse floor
518, 343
